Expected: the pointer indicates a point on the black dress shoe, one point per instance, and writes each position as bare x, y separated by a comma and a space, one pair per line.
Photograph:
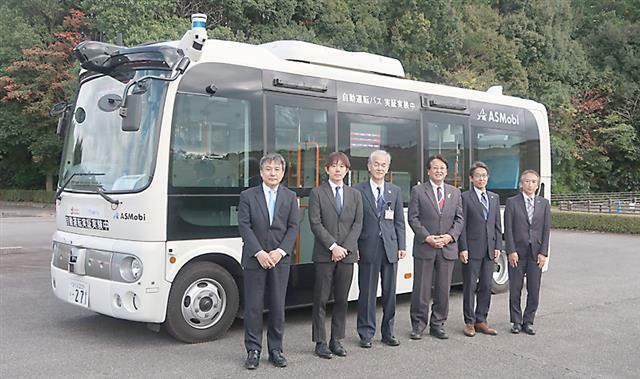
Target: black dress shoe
439, 333
528, 328
336, 347
322, 350
365, 343
253, 360
516, 328
415, 334
277, 358
390, 341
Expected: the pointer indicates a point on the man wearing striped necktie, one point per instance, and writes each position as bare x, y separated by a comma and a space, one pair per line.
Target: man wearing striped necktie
527, 223
480, 244
435, 216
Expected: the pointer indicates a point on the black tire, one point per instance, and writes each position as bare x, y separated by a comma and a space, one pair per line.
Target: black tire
500, 280
203, 303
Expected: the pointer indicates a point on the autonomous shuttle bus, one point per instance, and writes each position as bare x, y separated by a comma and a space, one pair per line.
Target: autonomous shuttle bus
162, 138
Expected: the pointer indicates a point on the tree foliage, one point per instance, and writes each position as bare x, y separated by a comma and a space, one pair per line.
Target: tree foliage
581, 58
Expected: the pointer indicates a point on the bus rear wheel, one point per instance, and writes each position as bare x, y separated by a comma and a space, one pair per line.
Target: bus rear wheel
500, 282
203, 303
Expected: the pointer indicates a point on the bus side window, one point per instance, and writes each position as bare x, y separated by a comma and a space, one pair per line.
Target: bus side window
361, 134
445, 136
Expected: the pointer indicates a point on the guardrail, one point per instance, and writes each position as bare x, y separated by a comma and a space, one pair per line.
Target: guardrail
610, 202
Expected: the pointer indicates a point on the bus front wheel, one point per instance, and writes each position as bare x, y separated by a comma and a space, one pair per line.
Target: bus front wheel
500, 282
203, 303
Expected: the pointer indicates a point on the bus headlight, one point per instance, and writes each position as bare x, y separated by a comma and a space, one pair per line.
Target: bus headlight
130, 268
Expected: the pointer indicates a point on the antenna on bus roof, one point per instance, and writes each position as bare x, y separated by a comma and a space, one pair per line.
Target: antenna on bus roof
194, 39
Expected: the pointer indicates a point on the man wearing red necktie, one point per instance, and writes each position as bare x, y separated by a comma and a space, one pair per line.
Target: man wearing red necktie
435, 215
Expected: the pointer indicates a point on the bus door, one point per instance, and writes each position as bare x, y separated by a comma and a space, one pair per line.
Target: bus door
302, 129
446, 134
359, 135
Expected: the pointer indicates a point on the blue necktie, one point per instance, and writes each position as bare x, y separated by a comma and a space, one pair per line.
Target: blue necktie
380, 201
440, 200
271, 205
338, 200
485, 206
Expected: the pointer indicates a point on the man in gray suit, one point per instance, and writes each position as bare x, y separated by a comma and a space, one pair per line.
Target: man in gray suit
268, 220
480, 244
527, 223
435, 215
381, 243
335, 217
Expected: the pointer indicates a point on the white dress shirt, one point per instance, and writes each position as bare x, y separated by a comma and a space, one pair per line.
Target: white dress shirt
266, 189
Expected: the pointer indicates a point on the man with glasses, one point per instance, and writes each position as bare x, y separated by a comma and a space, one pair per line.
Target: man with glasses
381, 244
435, 215
527, 223
268, 221
480, 244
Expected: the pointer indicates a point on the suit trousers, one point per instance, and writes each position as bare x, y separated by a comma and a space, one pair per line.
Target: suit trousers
275, 282
526, 267
330, 277
477, 277
368, 274
432, 279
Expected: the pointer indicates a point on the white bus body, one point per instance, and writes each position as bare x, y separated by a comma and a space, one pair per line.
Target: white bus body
146, 229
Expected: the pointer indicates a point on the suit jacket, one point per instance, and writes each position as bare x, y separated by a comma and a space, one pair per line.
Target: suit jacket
329, 226
425, 220
375, 226
519, 233
253, 223
478, 236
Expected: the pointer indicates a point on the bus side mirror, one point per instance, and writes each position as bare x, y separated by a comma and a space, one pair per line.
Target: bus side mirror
61, 110
132, 113
63, 122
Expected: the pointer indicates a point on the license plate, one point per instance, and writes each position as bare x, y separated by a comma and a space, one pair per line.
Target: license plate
79, 293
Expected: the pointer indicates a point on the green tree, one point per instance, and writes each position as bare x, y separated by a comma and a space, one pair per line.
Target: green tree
45, 75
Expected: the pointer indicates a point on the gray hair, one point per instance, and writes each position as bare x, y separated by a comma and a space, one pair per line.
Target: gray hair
379, 152
273, 157
525, 172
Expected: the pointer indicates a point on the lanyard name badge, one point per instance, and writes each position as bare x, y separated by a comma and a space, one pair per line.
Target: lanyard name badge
388, 213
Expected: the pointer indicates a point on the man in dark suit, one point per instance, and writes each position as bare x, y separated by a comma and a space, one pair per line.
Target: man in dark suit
480, 244
435, 215
527, 223
268, 220
381, 243
335, 217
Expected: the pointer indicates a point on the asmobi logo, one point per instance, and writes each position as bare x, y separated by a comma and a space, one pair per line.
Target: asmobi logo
130, 216
499, 117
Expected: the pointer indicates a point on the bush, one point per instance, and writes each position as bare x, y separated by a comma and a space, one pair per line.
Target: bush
33, 196
600, 222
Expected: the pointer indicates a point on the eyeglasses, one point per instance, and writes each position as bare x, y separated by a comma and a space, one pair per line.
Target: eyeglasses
380, 165
481, 176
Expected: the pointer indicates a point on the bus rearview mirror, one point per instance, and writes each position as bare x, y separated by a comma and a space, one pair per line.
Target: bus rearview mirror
132, 113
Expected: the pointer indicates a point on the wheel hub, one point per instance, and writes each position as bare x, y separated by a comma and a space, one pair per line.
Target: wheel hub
203, 303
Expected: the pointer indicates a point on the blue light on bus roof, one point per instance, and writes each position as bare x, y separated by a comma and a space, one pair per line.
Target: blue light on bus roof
199, 24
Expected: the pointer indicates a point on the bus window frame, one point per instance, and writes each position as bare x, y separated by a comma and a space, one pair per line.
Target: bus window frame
464, 120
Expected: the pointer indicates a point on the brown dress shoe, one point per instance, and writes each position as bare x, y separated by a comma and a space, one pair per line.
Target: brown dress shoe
469, 330
483, 327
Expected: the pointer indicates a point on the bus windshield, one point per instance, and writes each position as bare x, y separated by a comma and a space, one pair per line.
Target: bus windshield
95, 142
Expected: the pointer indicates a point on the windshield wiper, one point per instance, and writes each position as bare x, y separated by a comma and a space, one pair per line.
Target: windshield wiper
66, 183
107, 197
100, 190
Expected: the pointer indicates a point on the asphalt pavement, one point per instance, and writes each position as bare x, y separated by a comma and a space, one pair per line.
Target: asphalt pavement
588, 326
